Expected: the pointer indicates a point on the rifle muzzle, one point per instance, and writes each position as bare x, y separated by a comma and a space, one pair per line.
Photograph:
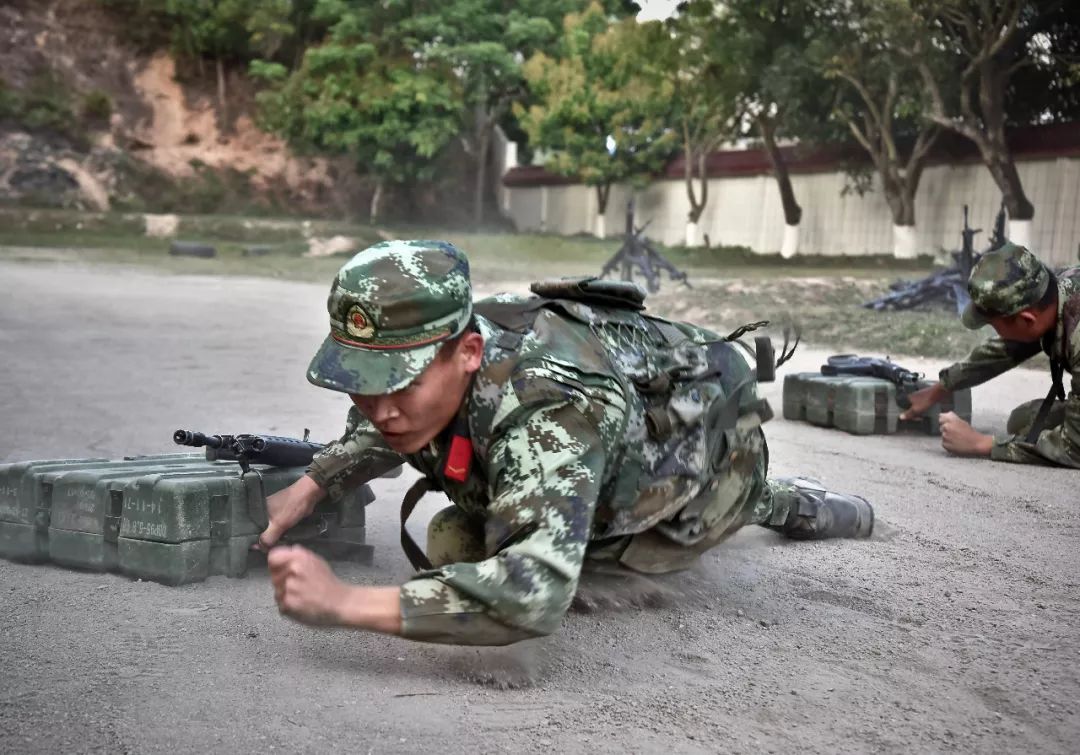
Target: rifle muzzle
189, 438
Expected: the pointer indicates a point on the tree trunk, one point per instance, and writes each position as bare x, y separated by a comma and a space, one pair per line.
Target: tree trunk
905, 242
792, 210
695, 164
376, 199
1019, 233
223, 103
1003, 169
603, 192
483, 124
698, 207
900, 194
993, 80
985, 128
789, 246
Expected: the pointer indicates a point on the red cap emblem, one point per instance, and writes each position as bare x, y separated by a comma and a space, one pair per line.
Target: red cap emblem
358, 324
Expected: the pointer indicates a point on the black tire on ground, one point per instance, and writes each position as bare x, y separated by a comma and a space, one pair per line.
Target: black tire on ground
191, 249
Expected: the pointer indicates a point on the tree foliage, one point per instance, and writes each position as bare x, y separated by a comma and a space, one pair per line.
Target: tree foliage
780, 94
985, 48
481, 44
394, 83
594, 114
881, 100
686, 62
360, 94
234, 31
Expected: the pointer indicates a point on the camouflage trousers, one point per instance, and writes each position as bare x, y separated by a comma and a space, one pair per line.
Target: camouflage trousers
454, 537
1023, 416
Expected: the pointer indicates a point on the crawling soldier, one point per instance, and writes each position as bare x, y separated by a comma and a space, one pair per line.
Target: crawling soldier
563, 427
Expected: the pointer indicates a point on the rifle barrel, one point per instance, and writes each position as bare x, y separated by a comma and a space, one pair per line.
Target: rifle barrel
189, 438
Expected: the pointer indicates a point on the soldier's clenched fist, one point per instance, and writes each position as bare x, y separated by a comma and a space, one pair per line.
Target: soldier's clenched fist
304, 586
958, 437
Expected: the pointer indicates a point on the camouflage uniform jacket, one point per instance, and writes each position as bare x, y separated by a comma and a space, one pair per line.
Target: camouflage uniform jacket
1055, 445
560, 422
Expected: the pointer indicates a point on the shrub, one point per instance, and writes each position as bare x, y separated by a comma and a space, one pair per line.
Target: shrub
45, 105
10, 101
96, 106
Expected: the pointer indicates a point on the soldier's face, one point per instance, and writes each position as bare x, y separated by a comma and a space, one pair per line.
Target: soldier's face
411, 418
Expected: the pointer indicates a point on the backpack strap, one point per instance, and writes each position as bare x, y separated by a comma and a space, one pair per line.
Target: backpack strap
414, 552
1057, 391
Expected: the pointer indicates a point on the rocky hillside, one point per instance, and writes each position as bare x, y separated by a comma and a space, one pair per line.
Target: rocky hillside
88, 121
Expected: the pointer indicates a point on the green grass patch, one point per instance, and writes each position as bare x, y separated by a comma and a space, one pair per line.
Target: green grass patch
828, 310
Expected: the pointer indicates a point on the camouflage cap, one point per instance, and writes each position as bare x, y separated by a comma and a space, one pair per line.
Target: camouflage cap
1002, 283
391, 307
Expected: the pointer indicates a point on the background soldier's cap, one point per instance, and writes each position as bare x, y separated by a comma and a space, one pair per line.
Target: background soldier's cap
1002, 283
391, 308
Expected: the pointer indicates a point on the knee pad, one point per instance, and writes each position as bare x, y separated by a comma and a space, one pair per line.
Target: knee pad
452, 537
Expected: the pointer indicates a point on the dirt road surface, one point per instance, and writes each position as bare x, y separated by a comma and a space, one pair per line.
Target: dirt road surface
955, 629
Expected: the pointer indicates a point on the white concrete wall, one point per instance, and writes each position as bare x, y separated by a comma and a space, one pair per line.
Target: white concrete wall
504, 157
747, 210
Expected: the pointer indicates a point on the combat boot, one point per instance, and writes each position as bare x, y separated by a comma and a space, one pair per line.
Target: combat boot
816, 513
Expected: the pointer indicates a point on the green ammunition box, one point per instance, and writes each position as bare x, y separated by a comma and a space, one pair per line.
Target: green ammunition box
862, 405
25, 503
821, 399
26, 497
866, 406
794, 395
173, 518
85, 513
185, 526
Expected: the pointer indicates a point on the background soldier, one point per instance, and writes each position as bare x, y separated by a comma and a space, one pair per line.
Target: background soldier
561, 428
1032, 310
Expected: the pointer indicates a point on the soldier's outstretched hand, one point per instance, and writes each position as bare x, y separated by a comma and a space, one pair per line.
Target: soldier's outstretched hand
287, 507
922, 400
304, 586
958, 437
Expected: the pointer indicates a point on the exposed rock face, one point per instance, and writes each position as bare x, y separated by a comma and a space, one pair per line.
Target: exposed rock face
161, 131
39, 171
183, 131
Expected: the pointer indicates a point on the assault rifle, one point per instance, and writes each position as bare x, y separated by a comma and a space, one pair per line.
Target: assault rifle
852, 364
904, 379
272, 450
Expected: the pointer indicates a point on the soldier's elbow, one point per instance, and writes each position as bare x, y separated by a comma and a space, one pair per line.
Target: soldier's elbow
544, 618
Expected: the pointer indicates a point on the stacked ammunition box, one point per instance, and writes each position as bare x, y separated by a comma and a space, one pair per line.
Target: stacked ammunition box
861, 405
173, 518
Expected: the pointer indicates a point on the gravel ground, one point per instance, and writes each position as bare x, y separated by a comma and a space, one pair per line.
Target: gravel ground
953, 630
